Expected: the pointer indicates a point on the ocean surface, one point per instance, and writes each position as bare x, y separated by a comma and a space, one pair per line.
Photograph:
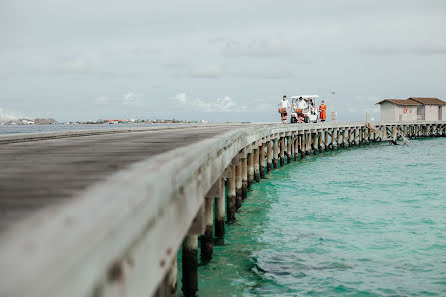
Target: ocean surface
368, 221
14, 129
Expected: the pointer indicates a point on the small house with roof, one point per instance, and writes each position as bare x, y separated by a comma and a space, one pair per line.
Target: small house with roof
412, 109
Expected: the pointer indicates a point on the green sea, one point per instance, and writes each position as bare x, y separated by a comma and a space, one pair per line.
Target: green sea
363, 221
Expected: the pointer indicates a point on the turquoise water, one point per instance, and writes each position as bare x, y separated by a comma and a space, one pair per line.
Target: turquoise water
367, 221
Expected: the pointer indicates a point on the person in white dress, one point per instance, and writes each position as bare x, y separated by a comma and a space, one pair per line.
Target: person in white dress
301, 104
284, 105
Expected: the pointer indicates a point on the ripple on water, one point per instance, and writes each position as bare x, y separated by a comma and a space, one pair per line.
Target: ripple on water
369, 221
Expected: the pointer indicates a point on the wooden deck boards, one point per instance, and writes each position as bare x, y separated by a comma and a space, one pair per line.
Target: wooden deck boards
41, 173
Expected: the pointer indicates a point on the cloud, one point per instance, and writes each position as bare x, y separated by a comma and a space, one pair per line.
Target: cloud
225, 104
6, 117
206, 71
270, 74
102, 100
373, 99
81, 66
145, 51
261, 48
129, 98
216, 72
78, 65
417, 51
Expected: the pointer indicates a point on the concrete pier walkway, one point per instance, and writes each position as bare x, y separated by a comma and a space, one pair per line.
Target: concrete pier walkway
103, 213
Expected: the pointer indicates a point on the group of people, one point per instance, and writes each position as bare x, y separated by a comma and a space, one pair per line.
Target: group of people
300, 106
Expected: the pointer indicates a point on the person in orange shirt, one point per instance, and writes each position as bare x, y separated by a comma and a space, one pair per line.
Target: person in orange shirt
322, 111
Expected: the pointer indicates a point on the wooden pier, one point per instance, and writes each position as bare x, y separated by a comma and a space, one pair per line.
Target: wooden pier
104, 213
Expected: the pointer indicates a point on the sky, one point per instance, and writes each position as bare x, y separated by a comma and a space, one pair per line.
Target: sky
215, 60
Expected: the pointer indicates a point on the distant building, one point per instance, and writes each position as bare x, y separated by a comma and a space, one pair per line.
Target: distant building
412, 109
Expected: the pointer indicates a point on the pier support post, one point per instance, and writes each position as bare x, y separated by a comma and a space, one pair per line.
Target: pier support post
250, 169
360, 136
338, 139
302, 145
354, 136
296, 148
190, 266
256, 165
327, 144
207, 239
314, 144
288, 149
282, 151
231, 199
344, 138
394, 135
239, 183
244, 177
220, 211
349, 137
308, 144
319, 141
276, 153
269, 156
262, 160
365, 136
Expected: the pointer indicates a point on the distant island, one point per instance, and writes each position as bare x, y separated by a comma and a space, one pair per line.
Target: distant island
36, 121
50, 121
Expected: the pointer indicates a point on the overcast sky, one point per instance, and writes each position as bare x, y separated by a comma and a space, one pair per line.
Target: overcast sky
215, 60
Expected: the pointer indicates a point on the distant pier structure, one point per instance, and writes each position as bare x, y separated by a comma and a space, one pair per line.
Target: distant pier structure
105, 212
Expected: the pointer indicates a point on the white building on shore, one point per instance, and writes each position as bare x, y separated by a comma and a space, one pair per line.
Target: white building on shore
412, 109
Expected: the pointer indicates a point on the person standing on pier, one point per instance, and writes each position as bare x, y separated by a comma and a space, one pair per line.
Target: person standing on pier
284, 105
323, 111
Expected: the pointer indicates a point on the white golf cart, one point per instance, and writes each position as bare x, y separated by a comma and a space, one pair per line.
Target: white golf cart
308, 114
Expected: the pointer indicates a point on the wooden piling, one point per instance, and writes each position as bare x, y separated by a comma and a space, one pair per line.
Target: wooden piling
338, 139
308, 144
276, 153
314, 144
238, 184
190, 266
231, 199
288, 149
269, 156
262, 160
256, 165
220, 211
345, 137
207, 239
282, 151
319, 141
354, 136
349, 140
296, 148
360, 136
244, 177
327, 144
302, 145
250, 169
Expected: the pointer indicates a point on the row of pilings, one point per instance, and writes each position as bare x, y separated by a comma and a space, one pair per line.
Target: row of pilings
251, 164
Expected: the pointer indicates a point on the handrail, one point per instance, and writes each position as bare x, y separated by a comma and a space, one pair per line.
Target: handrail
133, 220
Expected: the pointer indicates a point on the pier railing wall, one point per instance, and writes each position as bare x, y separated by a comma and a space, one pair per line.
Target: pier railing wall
121, 236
